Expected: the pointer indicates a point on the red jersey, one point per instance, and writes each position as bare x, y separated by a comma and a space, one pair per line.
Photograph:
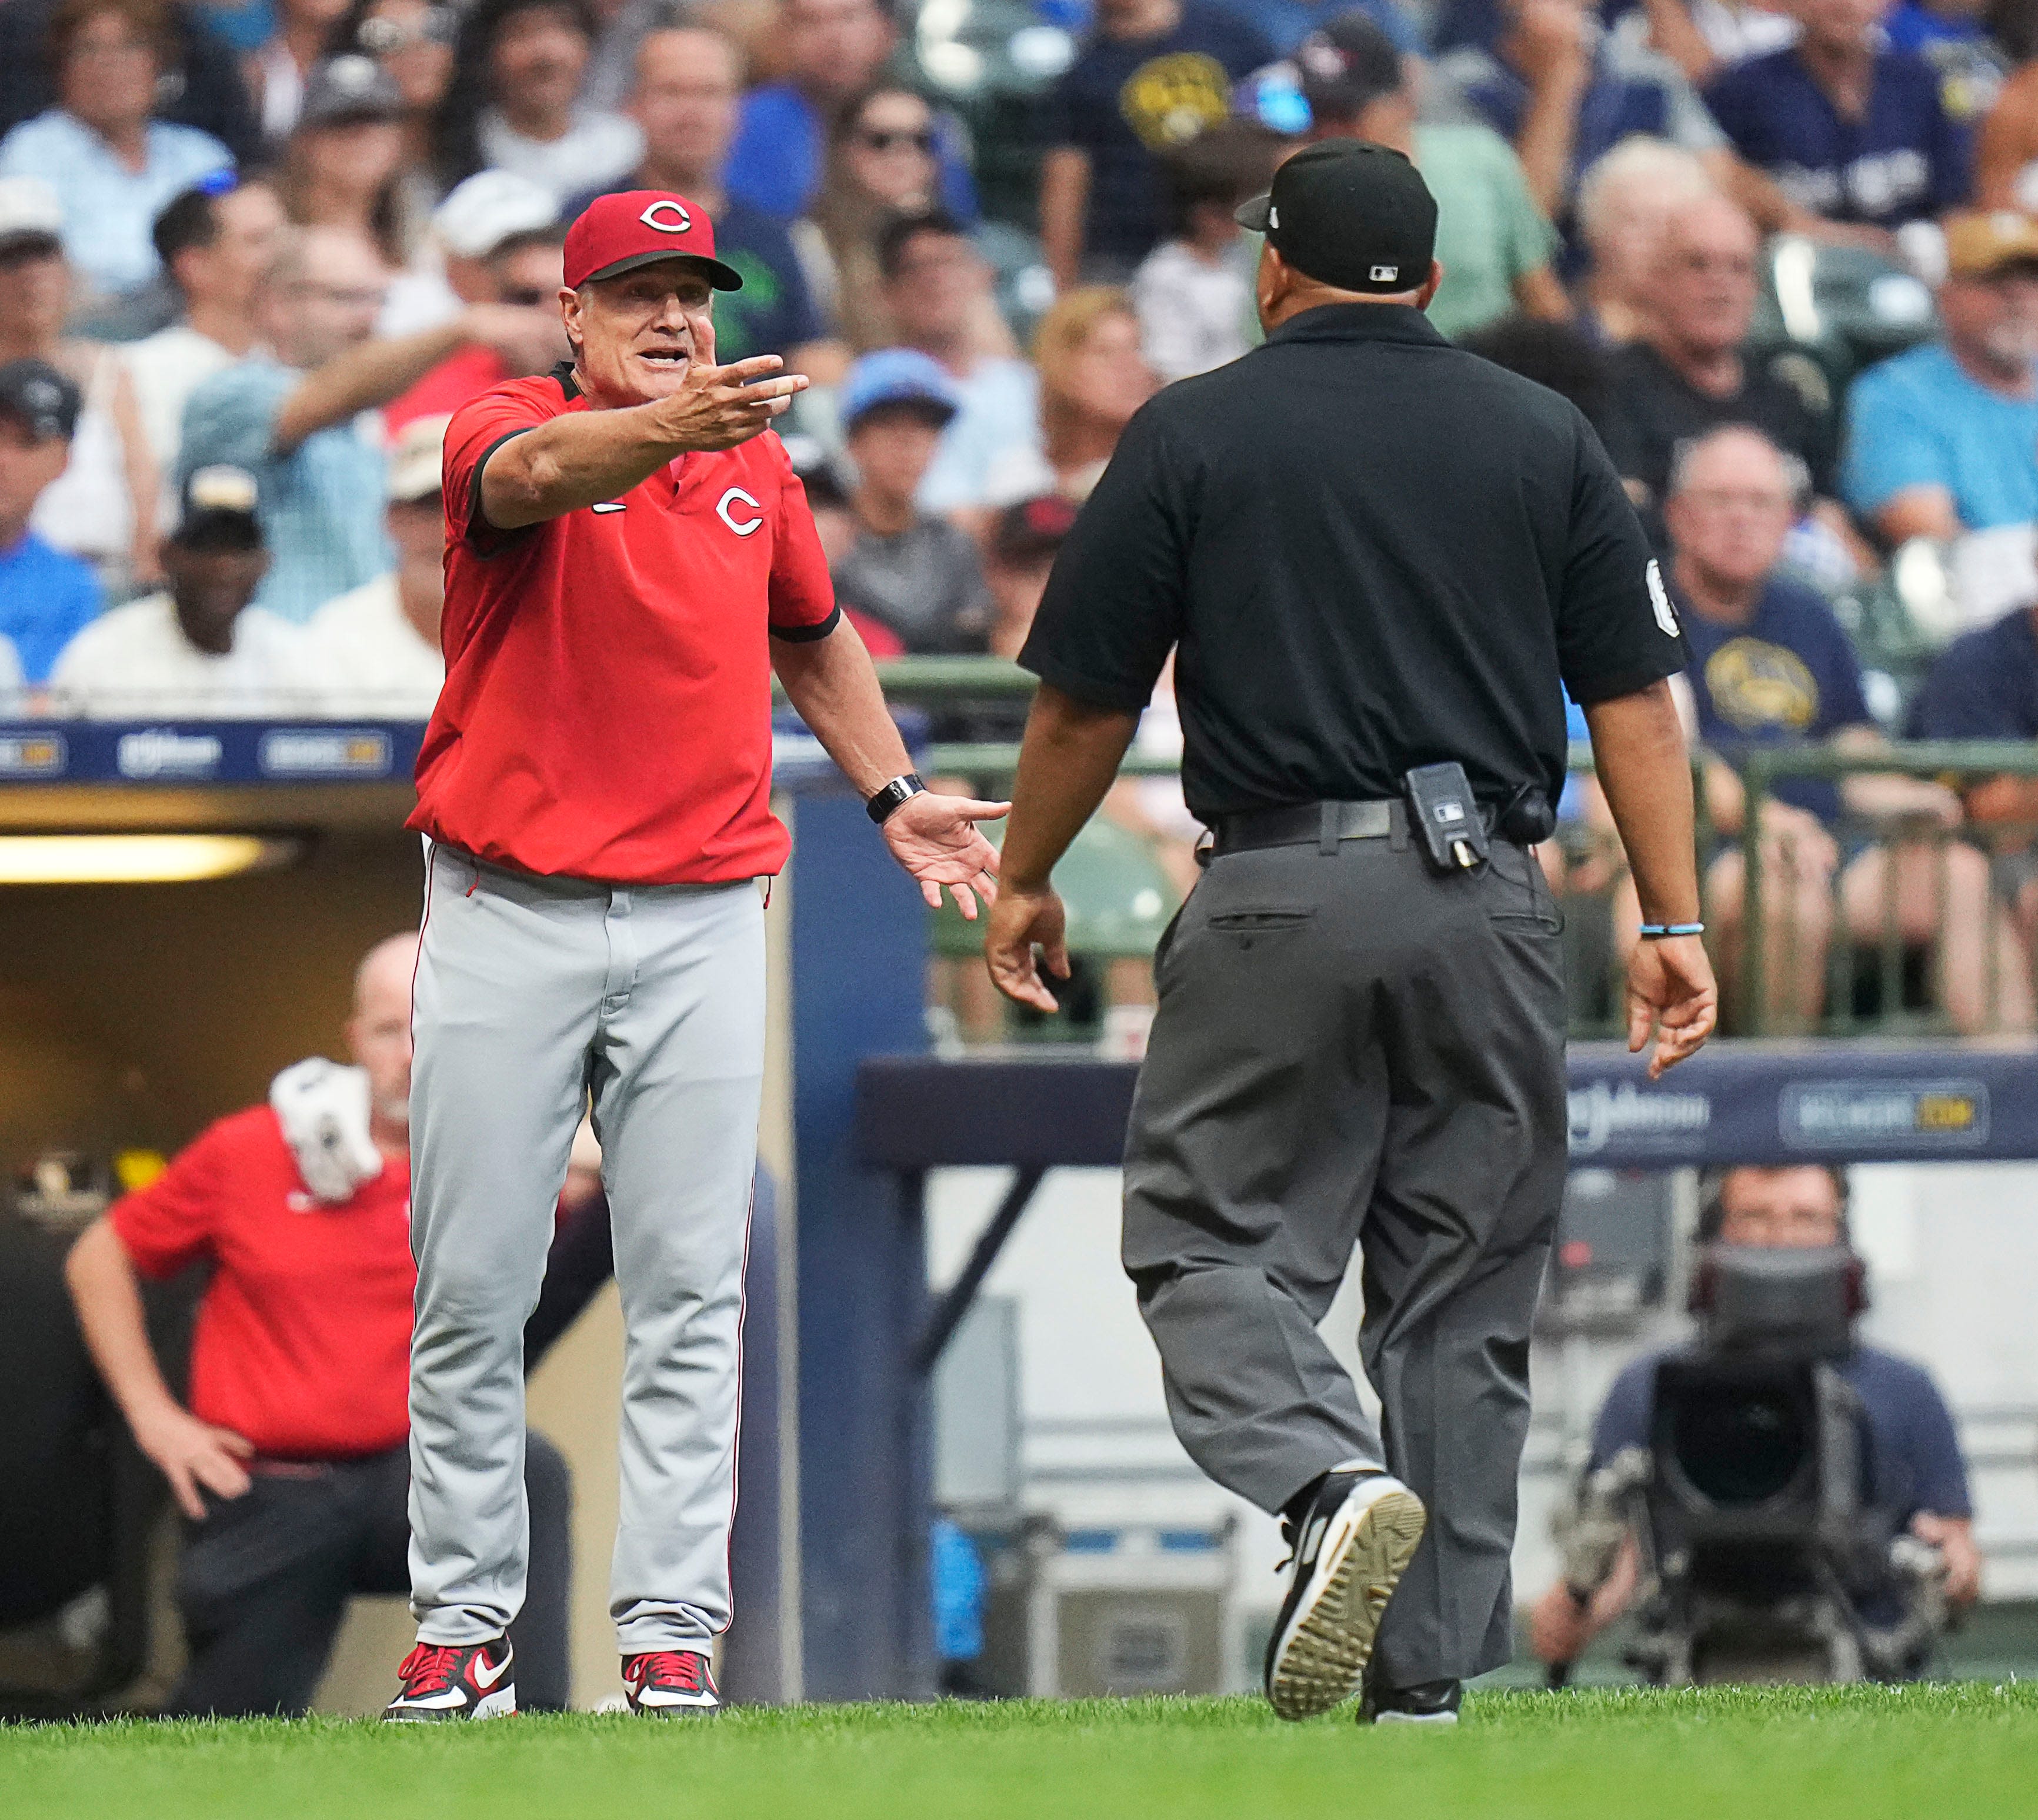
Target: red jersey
304, 1334
457, 379
607, 712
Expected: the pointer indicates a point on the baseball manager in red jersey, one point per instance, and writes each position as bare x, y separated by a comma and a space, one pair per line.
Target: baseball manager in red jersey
629, 559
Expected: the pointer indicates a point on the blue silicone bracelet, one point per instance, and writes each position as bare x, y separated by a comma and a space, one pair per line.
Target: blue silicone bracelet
1656, 931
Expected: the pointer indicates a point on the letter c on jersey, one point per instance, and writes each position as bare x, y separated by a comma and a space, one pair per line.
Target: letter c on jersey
741, 526
679, 225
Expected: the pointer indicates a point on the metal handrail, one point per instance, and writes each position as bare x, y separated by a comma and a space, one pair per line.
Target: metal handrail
1918, 758
935, 681
1759, 768
953, 679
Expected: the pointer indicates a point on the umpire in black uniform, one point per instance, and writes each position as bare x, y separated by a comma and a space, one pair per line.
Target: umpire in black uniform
1375, 558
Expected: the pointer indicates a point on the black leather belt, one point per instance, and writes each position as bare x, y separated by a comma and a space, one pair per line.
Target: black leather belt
1311, 824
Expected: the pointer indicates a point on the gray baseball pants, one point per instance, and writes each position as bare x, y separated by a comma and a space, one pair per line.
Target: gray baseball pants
1351, 1048
531, 994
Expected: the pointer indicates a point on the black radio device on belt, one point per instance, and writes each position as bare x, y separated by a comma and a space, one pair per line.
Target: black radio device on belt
1440, 805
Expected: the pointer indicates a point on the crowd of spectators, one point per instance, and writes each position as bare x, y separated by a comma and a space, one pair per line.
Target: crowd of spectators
259, 253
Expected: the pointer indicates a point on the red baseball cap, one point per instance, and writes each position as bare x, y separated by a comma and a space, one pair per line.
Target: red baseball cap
619, 233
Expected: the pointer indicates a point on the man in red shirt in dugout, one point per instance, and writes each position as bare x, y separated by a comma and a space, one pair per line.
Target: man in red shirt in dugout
288, 1458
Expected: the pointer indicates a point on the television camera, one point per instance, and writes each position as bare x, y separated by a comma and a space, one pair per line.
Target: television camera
1762, 1553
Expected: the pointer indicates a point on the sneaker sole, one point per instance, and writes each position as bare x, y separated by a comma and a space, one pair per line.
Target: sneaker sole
1324, 1659
500, 1704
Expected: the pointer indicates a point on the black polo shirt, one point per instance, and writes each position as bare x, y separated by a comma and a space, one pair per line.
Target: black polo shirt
1374, 551
1655, 408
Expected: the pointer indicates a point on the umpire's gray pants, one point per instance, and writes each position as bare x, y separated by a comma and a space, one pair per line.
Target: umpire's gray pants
531, 994
1351, 1048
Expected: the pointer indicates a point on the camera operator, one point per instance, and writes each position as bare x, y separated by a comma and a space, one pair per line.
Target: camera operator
1916, 1472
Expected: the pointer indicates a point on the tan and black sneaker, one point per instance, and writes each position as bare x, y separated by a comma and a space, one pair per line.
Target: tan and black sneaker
1352, 1539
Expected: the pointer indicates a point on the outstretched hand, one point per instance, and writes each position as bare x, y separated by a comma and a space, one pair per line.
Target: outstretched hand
719, 407
1670, 992
936, 839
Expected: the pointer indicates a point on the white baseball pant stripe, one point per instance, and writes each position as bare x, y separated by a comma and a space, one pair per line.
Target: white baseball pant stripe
533, 992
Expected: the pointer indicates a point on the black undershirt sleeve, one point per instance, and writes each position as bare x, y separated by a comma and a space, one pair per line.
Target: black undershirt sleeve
1114, 605
808, 634
482, 538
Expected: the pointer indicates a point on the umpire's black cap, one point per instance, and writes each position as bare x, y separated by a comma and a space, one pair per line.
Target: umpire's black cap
1350, 214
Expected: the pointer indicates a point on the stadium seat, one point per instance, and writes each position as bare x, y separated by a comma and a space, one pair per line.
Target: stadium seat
1844, 307
989, 61
1119, 899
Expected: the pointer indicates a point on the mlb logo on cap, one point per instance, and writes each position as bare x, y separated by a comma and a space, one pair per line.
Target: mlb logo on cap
618, 233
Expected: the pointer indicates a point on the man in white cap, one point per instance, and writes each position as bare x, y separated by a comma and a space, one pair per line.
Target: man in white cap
503, 239
377, 649
476, 219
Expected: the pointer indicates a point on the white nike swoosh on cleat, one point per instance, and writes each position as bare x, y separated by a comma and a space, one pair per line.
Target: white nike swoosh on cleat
607, 505
486, 1678
432, 1702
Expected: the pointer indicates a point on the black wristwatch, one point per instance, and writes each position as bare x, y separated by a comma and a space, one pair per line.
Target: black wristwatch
880, 806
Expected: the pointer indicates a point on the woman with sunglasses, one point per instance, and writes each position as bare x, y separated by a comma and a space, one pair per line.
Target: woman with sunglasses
882, 166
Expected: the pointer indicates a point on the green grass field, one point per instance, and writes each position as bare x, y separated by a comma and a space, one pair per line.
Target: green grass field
1964, 1750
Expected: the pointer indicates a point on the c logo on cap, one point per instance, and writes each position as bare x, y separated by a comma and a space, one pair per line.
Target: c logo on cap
649, 217
743, 528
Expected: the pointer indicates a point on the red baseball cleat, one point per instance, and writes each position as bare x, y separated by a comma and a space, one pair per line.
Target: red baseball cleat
671, 1684
441, 1681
